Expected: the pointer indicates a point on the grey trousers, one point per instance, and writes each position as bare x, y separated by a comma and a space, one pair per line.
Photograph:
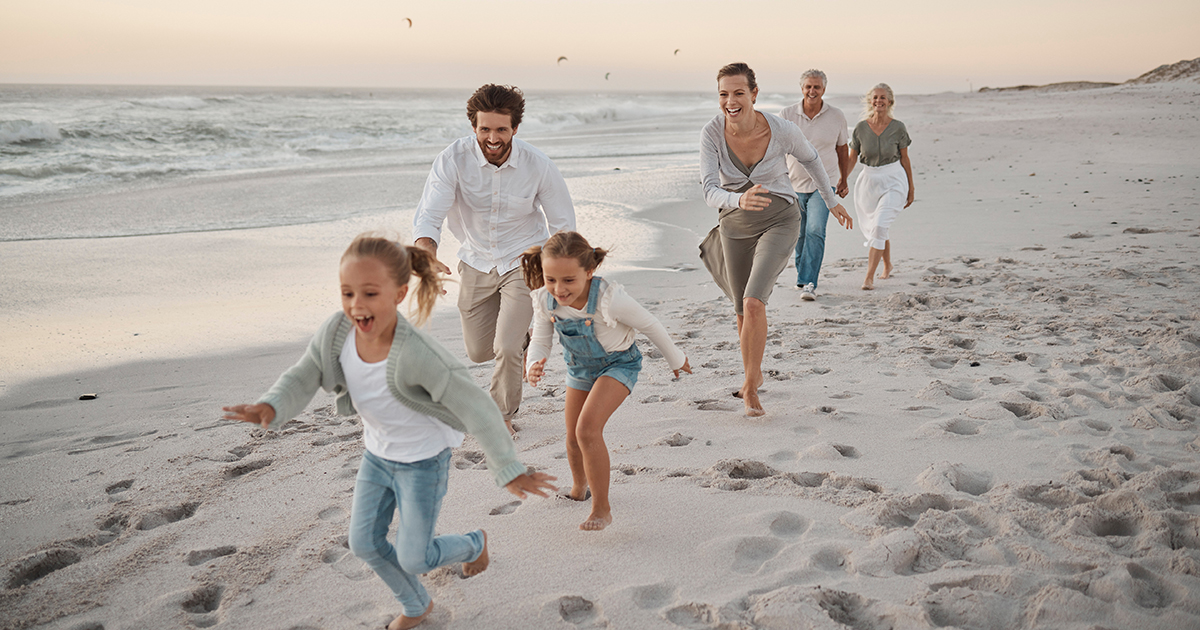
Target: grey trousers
496, 311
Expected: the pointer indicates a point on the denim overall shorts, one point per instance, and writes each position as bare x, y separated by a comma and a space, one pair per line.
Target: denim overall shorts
586, 358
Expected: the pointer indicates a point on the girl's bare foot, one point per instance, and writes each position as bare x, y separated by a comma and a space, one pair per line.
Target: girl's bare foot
749, 396
596, 522
404, 623
476, 566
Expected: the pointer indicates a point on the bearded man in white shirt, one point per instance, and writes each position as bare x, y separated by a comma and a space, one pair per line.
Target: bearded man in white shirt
500, 197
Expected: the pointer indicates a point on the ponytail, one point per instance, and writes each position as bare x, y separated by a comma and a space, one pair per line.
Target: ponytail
429, 287
531, 268
402, 264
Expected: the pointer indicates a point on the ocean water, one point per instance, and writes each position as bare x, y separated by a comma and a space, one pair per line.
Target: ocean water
58, 142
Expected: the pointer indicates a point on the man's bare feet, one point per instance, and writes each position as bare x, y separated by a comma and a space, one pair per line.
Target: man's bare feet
477, 566
404, 623
749, 396
596, 522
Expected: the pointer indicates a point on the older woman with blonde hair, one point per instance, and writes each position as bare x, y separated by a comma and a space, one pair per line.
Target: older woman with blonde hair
885, 186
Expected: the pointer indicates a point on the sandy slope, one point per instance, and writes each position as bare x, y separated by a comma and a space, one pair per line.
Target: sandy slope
1001, 436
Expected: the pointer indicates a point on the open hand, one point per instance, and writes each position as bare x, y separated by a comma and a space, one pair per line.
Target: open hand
537, 483
686, 367
535, 372
842, 216
428, 245
755, 199
259, 413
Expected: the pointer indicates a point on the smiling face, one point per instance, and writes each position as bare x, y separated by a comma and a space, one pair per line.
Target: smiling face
735, 97
370, 297
880, 101
813, 89
567, 281
494, 132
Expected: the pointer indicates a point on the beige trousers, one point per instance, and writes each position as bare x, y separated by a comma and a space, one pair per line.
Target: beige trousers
496, 311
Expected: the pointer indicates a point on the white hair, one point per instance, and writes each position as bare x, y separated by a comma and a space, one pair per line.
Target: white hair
815, 73
868, 110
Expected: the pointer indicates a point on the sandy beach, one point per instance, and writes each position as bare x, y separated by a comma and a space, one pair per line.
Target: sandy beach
1002, 435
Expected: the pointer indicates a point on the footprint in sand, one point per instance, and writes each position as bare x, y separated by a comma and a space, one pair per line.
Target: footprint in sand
165, 516
507, 508
464, 460
119, 487
339, 558
201, 603
38, 565
578, 611
233, 472
652, 596
334, 439
333, 514
201, 556
693, 615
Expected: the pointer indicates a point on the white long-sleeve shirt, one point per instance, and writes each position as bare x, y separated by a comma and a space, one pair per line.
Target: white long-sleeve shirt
618, 320
496, 212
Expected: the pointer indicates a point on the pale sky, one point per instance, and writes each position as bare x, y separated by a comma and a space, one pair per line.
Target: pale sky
917, 46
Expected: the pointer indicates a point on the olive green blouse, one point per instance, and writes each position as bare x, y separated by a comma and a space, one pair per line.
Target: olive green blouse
882, 149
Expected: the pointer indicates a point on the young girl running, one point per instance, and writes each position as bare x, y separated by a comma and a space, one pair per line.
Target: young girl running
596, 323
416, 401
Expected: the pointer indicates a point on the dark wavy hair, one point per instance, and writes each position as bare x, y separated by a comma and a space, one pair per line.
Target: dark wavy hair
499, 99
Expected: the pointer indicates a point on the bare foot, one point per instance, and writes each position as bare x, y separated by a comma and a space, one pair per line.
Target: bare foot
887, 272
596, 522
749, 396
477, 566
512, 429
404, 623
867, 286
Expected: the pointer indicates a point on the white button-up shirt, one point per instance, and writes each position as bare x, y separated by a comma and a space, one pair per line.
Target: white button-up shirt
496, 212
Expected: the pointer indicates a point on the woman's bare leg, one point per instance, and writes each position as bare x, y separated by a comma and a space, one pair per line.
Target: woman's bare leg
887, 260
873, 257
752, 334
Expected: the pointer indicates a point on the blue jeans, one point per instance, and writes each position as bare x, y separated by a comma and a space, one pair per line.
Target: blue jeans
417, 489
810, 247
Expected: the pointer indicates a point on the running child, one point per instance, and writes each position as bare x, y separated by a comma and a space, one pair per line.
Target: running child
416, 401
596, 323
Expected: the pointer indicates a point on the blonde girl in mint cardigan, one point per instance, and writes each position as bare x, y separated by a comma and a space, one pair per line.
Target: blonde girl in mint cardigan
416, 402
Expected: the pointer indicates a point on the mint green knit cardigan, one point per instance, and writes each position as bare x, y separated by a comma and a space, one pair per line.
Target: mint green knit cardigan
421, 374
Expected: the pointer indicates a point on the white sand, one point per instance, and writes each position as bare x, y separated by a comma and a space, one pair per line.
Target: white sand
1003, 435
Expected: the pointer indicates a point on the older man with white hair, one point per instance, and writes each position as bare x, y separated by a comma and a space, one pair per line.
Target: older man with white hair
825, 127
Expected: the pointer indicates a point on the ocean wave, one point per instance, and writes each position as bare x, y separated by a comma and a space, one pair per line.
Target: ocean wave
601, 114
172, 102
24, 131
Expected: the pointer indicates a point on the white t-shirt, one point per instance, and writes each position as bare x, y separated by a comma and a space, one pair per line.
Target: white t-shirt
391, 430
826, 131
618, 320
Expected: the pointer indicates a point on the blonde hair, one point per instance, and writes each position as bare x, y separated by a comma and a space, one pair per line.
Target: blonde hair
402, 263
868, 110
561, 245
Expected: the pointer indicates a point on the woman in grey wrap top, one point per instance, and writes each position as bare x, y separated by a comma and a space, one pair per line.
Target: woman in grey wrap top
743, 166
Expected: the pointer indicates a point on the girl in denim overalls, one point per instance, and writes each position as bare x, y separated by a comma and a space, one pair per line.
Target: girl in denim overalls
596, 323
